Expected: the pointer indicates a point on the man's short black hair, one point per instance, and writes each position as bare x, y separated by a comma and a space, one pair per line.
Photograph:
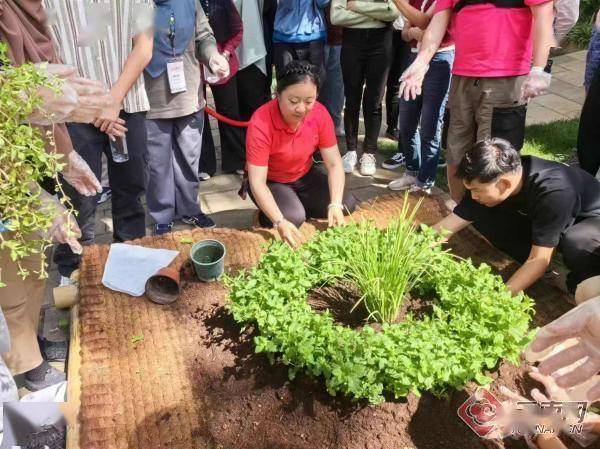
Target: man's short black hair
488, 160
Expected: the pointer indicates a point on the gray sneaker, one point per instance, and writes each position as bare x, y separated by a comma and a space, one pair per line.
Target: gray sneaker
46, 376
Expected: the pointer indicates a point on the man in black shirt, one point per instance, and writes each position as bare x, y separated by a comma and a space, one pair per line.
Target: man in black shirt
528, 207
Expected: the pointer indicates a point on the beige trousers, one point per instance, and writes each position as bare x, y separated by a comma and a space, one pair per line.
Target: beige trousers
21, 302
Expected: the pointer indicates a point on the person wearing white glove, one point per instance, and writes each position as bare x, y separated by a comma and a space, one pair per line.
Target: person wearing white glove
21, 300
117, 60
492, 61
77, 99
582, 323
525, 421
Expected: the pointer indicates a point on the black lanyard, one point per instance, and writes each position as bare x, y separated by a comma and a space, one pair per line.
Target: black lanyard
171, 33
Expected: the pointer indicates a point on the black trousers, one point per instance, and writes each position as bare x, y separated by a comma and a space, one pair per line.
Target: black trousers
400, 50
127, 180
366, 58
208, 155
233, 145
313, 52
253, 90
588, 140
579, 243
305, 198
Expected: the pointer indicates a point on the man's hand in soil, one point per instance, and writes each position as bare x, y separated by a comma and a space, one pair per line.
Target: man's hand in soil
583, 323
289, 233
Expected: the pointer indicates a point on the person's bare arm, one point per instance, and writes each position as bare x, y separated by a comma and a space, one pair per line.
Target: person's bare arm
543, 32
406, 31
534, 268
450, 225
414, 15
412, 78
134, 66
257, 177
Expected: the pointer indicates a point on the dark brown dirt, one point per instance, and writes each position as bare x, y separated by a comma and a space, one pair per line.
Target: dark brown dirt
341, 298
194, 381
251, 404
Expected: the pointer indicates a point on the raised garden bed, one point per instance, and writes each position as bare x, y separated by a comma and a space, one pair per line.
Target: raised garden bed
195, 381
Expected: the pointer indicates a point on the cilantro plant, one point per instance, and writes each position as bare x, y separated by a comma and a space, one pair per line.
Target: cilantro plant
475, 321
23, 163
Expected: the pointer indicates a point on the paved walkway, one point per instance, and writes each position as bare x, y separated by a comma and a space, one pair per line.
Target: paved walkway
219, 198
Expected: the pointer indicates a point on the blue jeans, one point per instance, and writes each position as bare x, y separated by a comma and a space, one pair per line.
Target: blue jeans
421, 120
332, 91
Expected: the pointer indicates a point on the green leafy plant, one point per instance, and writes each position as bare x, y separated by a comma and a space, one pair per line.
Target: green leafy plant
137, 339
475, 322
23, 163
392, 262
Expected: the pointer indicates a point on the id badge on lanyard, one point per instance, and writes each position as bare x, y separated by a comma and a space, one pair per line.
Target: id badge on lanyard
175, 70
176, 75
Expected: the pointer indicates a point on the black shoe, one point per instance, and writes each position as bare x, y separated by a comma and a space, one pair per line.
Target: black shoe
105, 195
48, 436
43, 376
53, 351
200, 221
162, 229
441, 161
392, 134
397, 160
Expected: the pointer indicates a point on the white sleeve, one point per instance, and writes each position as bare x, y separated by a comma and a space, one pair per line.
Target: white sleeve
566, 13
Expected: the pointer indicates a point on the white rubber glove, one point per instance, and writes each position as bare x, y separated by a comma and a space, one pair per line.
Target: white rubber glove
64, 228
583, 323
536, 83
78, 173
219, 65
412, 80
79, 100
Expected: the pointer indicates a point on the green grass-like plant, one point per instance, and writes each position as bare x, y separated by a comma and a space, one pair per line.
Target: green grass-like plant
392, 263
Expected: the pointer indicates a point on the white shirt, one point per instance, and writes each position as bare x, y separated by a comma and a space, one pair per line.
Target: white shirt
97, 38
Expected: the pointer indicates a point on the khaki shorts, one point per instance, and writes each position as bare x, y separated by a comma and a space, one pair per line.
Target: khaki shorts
481, 108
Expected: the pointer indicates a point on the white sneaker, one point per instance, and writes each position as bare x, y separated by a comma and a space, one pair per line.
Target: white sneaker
349, 161
418, 189
203, 176
368, 164
64, 281
403, 182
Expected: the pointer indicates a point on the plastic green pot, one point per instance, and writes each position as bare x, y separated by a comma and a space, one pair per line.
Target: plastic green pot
208, 257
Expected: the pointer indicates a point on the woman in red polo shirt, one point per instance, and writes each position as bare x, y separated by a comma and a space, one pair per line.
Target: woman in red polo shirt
282, 137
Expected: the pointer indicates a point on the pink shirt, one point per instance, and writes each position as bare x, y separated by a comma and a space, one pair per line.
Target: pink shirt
490, 41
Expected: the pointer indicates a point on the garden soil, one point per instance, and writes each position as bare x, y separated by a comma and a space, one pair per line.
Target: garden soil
185, 376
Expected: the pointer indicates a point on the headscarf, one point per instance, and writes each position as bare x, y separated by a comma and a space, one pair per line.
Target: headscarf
184, 13
23, 29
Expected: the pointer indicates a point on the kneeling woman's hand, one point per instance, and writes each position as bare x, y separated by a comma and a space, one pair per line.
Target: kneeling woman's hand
289, 233
335, 215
